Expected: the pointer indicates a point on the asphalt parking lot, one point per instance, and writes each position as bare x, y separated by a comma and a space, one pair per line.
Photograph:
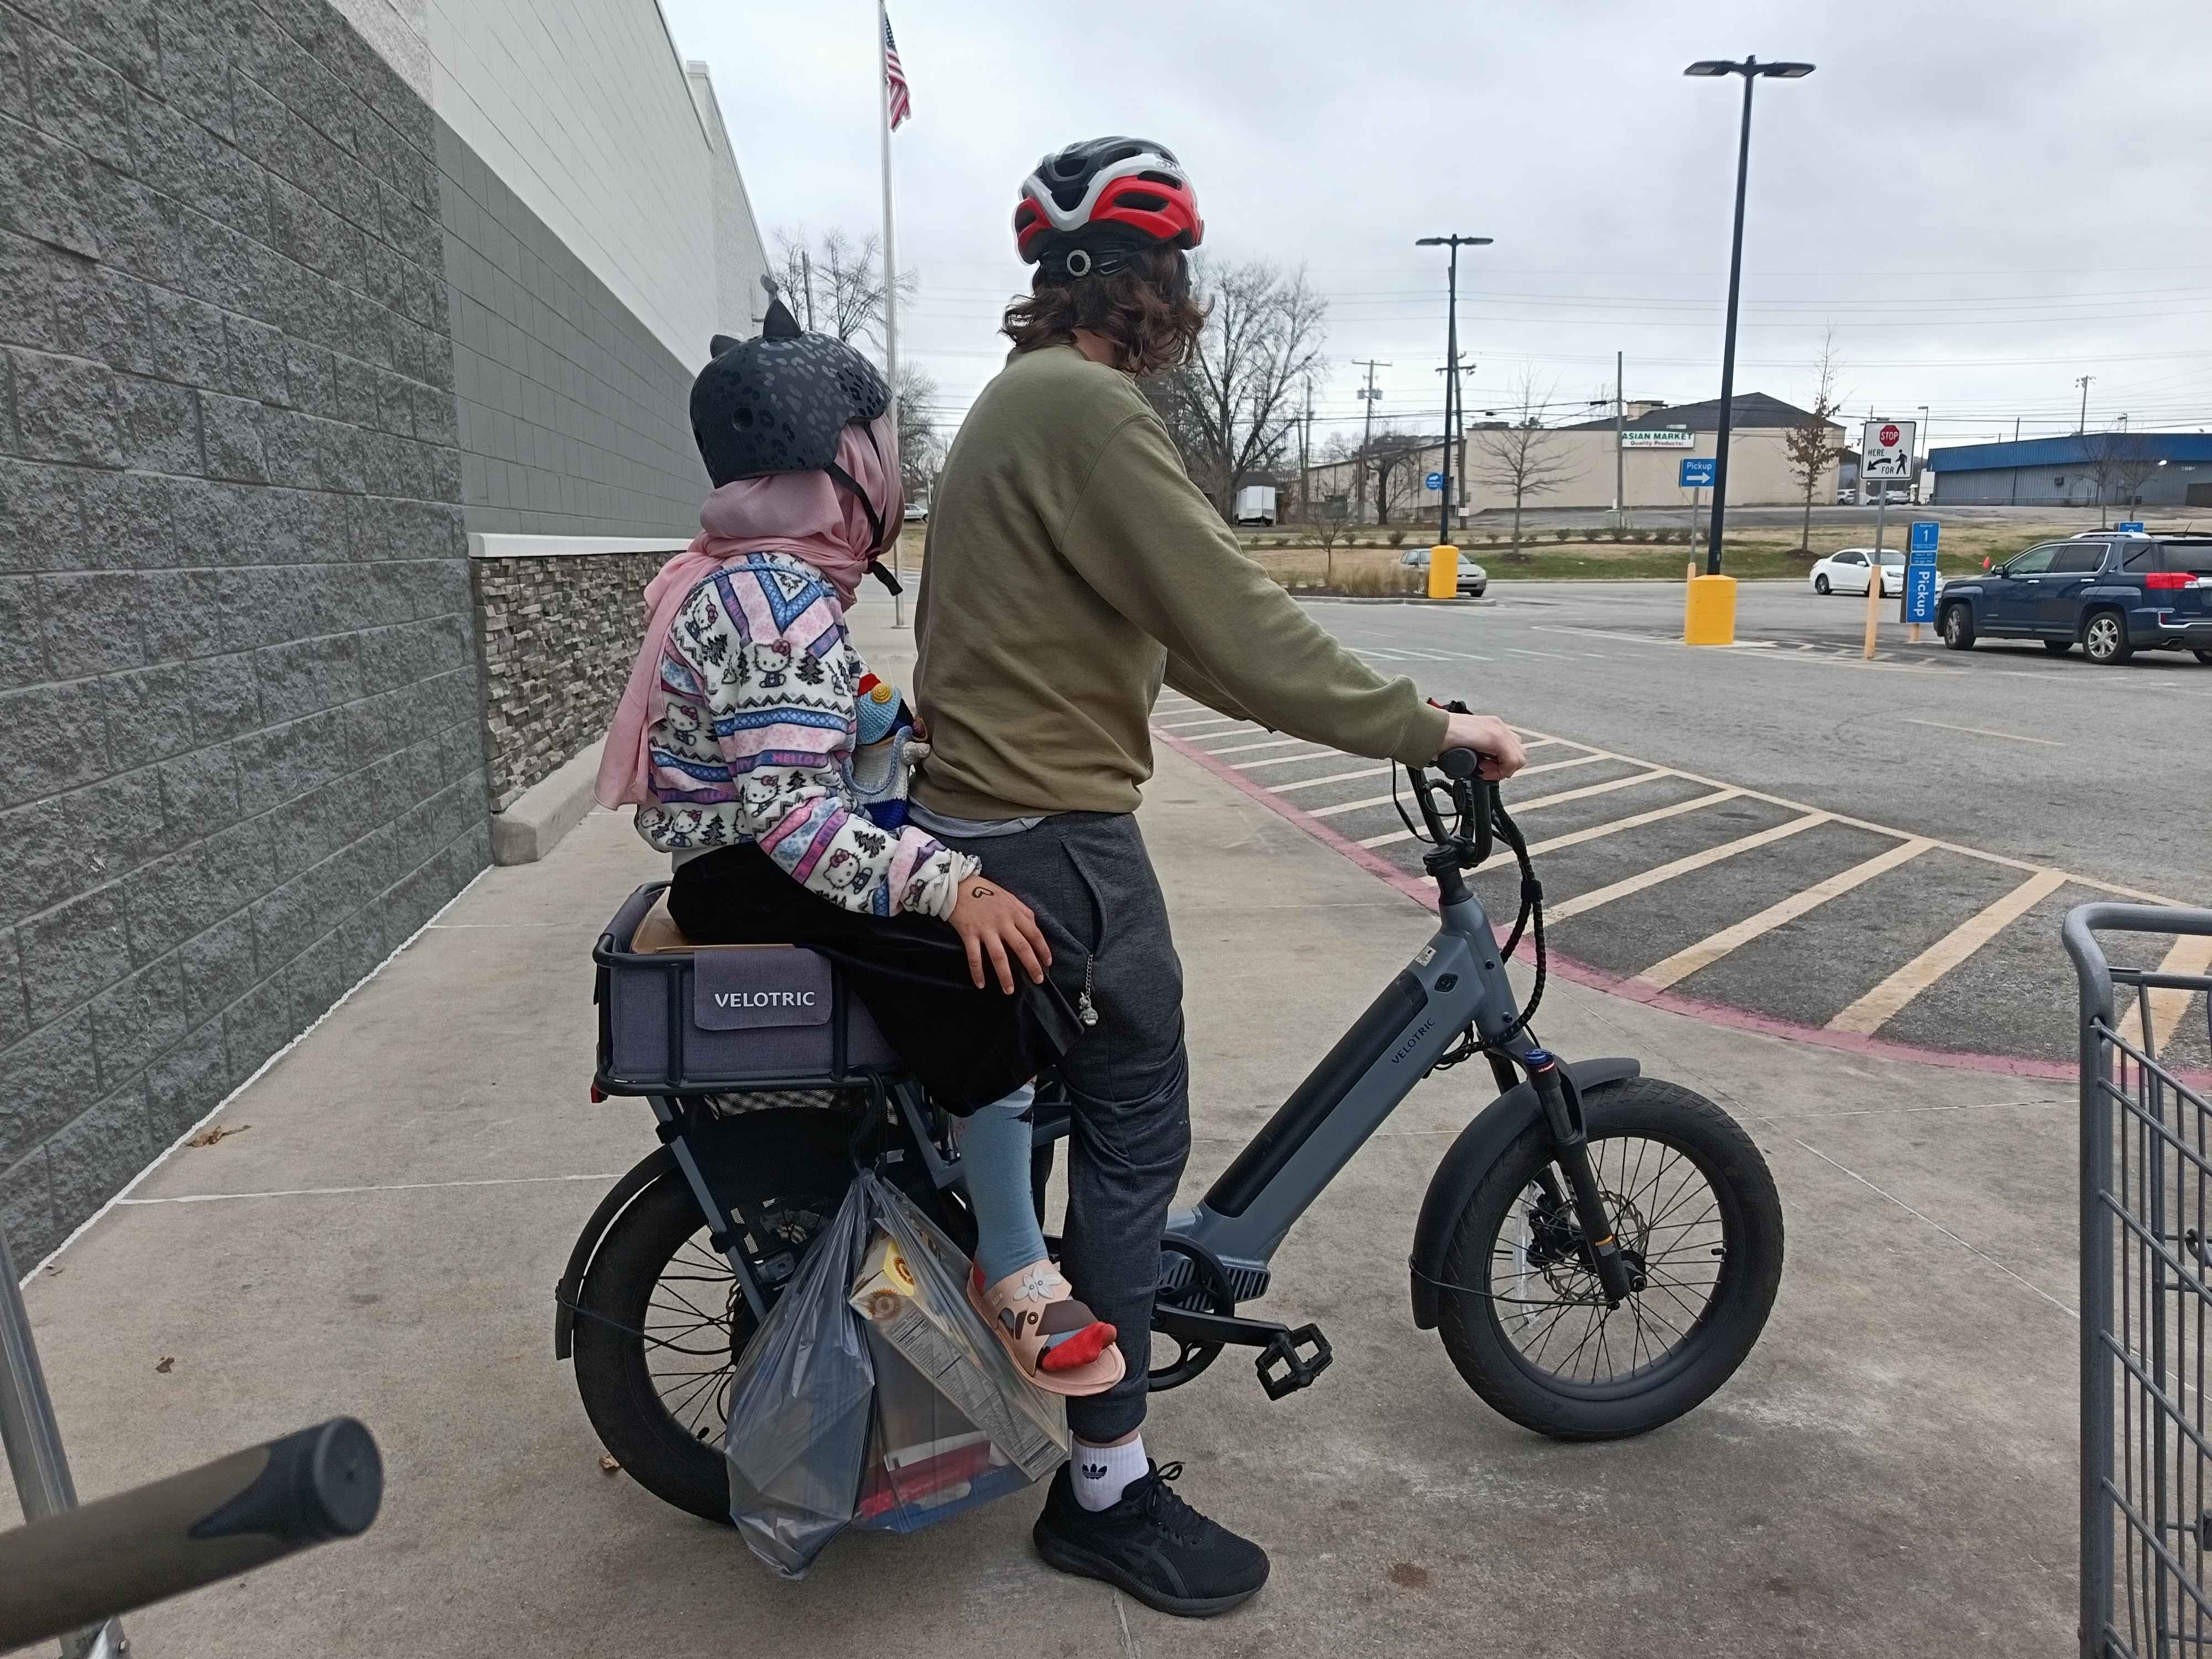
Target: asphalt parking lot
1871, 854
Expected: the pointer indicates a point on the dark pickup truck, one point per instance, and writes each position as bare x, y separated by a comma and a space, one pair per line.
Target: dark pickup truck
2113, 592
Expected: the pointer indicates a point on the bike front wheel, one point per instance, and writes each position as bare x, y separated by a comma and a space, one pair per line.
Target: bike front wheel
1699, 1225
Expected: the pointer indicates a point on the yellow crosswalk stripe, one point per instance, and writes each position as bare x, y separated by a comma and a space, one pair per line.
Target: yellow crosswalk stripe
2191, 954
1682, 866
1709, 951
1883, 1003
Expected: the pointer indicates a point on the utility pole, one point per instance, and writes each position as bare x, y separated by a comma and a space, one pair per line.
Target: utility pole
2084, 384
1455, 242
1619, 468
1367, 397
1305, 459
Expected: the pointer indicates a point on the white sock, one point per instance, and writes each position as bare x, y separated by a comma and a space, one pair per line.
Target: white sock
1101, 1473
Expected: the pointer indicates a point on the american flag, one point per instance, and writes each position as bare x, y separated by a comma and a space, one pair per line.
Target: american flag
901, 106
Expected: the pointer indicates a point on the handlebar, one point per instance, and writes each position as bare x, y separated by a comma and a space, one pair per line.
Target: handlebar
1469, 838
86, 1565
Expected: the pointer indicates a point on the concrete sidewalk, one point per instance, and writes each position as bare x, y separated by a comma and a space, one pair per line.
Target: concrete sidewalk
1891, 1473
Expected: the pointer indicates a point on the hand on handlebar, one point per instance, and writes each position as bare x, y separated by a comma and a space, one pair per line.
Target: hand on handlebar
1490, 737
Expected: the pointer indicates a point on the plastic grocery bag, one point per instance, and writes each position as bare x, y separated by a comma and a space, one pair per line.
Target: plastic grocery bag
801, 1403
956, 1424
875, 1395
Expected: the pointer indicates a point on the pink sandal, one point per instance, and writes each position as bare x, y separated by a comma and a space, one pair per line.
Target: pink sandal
1027, 1309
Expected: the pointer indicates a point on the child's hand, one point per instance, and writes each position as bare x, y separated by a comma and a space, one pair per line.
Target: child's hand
991, 920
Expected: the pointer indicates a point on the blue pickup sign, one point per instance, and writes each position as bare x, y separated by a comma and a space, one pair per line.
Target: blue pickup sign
1697, 471
1923, 536
1432, 481
2131, 528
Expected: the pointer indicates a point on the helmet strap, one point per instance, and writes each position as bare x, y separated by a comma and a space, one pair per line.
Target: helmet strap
875, 519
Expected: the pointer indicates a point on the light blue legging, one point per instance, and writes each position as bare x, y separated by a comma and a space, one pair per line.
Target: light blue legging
995, 1147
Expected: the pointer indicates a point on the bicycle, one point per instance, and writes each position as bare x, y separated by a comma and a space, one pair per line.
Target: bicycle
1582, 1190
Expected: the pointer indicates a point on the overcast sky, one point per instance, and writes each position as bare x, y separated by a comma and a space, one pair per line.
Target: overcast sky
1985, 199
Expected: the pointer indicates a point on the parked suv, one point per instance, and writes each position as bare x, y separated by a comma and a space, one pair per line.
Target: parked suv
2116, 594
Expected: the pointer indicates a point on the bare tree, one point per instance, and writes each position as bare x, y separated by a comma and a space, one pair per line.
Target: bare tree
2118, 462
1233, 409
2134, 463
1327, 528
921, 452
834, 283
1523, 456
1814, 444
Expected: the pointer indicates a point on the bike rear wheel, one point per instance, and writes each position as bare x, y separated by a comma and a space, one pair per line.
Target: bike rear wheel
1695, 1211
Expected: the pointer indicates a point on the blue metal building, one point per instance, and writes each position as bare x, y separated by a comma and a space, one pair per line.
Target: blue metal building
2122, 469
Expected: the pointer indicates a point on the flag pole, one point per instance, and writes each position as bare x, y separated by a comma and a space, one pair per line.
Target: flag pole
891, 290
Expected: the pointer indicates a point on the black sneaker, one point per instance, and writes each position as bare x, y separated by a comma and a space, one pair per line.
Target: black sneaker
1152, 1545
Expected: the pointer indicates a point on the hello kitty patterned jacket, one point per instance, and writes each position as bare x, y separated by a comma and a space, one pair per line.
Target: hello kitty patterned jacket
754, 742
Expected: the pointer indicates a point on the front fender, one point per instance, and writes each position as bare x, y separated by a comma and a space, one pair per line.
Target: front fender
1480, 1146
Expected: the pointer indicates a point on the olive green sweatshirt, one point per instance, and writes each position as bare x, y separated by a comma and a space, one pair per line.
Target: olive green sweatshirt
1071, 565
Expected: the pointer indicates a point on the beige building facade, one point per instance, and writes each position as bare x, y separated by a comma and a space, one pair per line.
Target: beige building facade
1577, 463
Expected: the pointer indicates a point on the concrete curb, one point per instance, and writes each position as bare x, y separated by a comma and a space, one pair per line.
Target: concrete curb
545, 812
1359, 598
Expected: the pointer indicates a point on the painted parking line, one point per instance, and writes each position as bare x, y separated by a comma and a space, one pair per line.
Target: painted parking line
1283, 760
1212, 719
1247, 747
1709, 951
2001, 860
1561, 910
1348, 806
2191, 954
1635, 821
1333, 777
1590, 759
1882, 1004
1983, 732
1543, 801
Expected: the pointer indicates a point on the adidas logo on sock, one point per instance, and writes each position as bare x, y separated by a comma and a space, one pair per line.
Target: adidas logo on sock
1094, 1471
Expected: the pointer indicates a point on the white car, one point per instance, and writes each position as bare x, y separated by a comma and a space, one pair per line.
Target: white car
1850, 570
1474, 579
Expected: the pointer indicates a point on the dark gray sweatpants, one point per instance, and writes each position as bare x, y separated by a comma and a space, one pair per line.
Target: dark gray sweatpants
1088, 878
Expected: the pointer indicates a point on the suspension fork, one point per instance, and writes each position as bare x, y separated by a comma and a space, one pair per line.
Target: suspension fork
1563, 1114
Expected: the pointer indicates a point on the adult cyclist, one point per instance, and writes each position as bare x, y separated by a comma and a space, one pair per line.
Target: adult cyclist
1071, 565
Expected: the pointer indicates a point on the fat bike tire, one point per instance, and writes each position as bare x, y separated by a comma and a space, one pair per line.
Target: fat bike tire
1693, 1205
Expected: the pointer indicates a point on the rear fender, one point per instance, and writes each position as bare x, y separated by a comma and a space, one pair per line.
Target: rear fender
658, 1162
1480, 1146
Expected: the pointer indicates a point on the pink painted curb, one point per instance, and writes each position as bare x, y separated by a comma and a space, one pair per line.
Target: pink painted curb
1628, 987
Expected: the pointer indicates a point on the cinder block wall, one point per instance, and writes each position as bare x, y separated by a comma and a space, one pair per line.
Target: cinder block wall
240, 755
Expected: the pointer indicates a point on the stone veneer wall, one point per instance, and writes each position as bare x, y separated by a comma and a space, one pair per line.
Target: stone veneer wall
558, 635
240, 751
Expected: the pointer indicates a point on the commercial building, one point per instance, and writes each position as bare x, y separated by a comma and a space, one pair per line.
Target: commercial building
1575, 464
2085, 469
300, 308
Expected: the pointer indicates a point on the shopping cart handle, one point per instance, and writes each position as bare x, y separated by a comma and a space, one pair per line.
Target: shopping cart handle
86, 1565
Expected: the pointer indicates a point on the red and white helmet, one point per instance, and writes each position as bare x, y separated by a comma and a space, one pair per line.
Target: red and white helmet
1106, 194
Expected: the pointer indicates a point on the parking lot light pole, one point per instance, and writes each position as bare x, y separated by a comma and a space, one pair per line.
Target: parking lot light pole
1451, 364
1751, 68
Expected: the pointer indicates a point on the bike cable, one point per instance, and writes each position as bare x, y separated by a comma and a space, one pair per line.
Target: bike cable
1529, 922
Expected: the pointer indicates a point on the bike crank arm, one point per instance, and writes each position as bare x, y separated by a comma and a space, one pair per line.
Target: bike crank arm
1563, 1112
1280, 1346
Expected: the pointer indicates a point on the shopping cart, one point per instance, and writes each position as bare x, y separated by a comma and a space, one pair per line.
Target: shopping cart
70, 1571
2146, 1292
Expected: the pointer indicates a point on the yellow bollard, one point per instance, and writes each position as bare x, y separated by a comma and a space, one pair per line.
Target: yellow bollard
1443, 571
1709, 617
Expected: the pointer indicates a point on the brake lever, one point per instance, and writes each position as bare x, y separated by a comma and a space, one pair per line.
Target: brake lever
1472, 793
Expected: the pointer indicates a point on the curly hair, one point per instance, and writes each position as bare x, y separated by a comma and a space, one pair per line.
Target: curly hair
1146, 310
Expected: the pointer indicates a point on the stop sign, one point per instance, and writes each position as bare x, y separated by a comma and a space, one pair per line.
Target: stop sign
1890, 434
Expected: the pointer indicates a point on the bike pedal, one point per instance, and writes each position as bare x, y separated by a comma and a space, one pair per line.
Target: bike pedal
1298, 1369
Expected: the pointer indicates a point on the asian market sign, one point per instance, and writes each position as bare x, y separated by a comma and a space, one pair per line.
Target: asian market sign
1657, 437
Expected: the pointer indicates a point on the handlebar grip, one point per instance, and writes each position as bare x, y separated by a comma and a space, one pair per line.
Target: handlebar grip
88, 1565
1459, 764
